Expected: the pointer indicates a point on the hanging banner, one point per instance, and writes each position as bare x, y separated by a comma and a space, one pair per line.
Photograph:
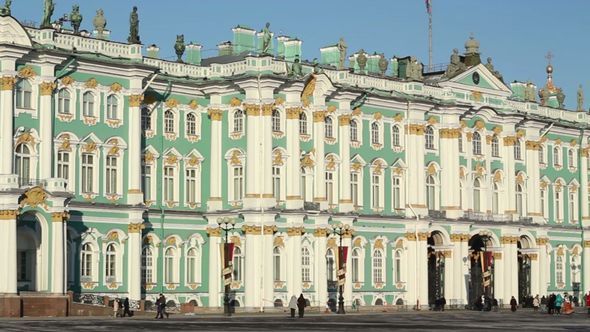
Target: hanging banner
488, 259
343, 252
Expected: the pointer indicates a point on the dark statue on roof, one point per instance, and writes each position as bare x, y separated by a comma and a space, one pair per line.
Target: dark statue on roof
134, 27
529, 92
361, 59
48, 8
100, 23
490, 67
580, 99
179, 47
76, 19
414, 69
383, 63
5, 11
342, 47
455, 66
296, 68
266, 39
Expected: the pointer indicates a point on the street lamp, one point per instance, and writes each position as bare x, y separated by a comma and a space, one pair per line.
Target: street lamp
341, 230
226, 224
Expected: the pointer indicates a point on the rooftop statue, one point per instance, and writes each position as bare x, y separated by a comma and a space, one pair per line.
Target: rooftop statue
560, 97
383, 63
490, 67
179, 47
48, 8
529, 92
316, 66
134, 27
76, 19
100, 23
266, 39
361, 59
455, 66
580, 99
342, 47
414, 69
5, 11
296, 68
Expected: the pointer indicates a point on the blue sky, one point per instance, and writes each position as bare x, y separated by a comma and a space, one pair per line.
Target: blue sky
516, 34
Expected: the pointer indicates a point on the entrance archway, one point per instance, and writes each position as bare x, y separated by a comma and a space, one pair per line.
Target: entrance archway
524, 272
436, 268
31, 244
481, 270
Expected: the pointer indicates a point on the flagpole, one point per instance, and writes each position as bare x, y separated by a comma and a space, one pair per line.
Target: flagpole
430, 38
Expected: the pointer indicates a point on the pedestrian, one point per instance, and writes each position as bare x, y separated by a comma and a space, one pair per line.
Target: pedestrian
483, 302
115, 307
293, 305
588, 302
163, 304
568, 306
513, 304
495, 304
301, 305
536, 303
443, 302
126, 311
558, 304
159, 307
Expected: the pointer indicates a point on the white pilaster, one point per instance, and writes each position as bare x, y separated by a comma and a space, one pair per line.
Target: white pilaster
293, 278
544, 273
57, 253
344, 140
318, 143
215, 201
45, 115
134, 194
6, 121
449, 163
8, 251
422, 262
214, 267
586, 266
294, 195
134, 255
252, 199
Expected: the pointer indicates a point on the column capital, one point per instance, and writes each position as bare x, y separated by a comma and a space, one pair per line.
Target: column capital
411, 236
251, 229
7, 83
415, 129
60, 216
319, 116
295, 231
135, 100
542, 241
135, 227
215, 114
586, 244
320, 232
8, 214
269, 230
252, 109
293, 113
423, 236
46, 88
214, 232
267, 109
344, 120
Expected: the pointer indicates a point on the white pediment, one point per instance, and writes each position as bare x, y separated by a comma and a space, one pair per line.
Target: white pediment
478, 78
11, 32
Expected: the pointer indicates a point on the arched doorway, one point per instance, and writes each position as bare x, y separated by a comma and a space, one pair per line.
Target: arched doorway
524, 272
436, 268
29, 255
481, 270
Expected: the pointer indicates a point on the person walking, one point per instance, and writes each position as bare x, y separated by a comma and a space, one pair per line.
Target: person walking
301, 305
513, 304
115, 307
163, 304
536, 303
558, 303
293, 305
443, 302
159, 307
126, 311
587, 297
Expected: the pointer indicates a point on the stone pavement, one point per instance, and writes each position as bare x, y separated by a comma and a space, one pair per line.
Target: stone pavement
398, 321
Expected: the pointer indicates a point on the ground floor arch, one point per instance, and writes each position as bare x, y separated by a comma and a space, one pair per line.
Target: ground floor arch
436, 267
481, 271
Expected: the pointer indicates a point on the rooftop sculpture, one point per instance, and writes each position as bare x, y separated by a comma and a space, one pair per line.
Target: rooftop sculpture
134, 27
48, 7
100, 23
76, 19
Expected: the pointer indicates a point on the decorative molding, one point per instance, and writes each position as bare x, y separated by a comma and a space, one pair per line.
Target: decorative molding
172, 103
293, 113
135, 100
47, 88
7, 83
295, 231
319, 116
34, 197
68, 80
320, 232
60, 216
415, 129
135, 227
27, 72
215, 114
116, 87
92, 83
214, 232
8, 214
251, 229
235, 102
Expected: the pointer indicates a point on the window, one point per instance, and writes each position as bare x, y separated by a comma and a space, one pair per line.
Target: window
556, 156
460, 142
147, 182
86, 262
354, 131
170, 266
191, 124
191, 185
375, 190
476, 143
377, 267
572, 211
88, 104
330, 188
168, 184
305, 265
330, 265
476, 196
430, 193
354, 188
355, 265
559, 269
22, 164
495, 199
517, 150
238, 264
238, 183
375, 133
110, 263
398, 266
147, 264
329, 128
302, 123
429, 138
63, 101
238, 121
111, 175
396, 192
112, 107
63, 165
276, 120
558, 202
87, 173
23, 94
395, 139
541, 154
519, 200
168, 122
146, 119
571, 158
276, 183
192, 265
306, 197
543, 195
495, 147
276, 260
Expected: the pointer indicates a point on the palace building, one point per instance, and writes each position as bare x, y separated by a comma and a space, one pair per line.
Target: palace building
116, 166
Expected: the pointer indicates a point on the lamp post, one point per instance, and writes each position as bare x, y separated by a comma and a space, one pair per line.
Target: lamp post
226, 224
340, 230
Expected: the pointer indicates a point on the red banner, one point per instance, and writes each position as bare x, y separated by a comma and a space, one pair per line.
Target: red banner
343, 252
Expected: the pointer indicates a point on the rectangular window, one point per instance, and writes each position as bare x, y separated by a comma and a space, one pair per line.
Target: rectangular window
354, 188
543, 213
238, 183
87, 173
375, 188
147, 182
330, 188
111, 175
169, 184
396, 192
276, 183
191, 185
63, 165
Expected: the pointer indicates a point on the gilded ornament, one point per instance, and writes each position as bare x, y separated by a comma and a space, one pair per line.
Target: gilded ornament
252, 109
279, 101
480, 170
91, 83
68, 80
542, 241
377, 116
586, 244
267, 109
307, 162
331, 243
469, 136
171, 241
7, 83
269, 230
25, 137
214, 232
520, 178
497, 177
543, 184
59, 216
477, 96
235, 102
377, 167
573, 143
116, 87
416, 129
357, 243
431, 170
560, 251
319, 116
65, 144
193, 161
135, 227
193, 104
148, 157
432, 120
379, 244
171, 159
532, 145
307, 92
356, 166
399, 117
135, 100
278, 159
251, 230
461, 172
293, 113
357, 111
90, 147
330, 163
423, 236
520, 133
479, 124
215, 114
320, 232
509, 141
8, 214
171, 103
27, 72
235, 158
46, 88
558, 141
411, 236
344, 120
398, 171
295, 231
497, 130
113, 236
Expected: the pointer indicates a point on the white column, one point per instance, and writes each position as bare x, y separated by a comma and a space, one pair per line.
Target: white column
294, 195
57, 253
584, 189
449, 175
266, 163
253, 274
318, 143
412, 269
449, 290
347, 242
499, 258
214, 266
458, 277
422, 261
134, 194
586, 266
345, 194
293, 278
267, 300
510, 261
6, 122
134, 256
535, 272
544, 274
8, 251
532, 187
321, 278
415, 162
45, 130
466, 266
252, 154
215, 201
509, 171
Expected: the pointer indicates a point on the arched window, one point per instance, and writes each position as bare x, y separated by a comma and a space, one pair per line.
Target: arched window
541, 154
354, 131
170, 266
192, 265
87, 173
570, 158
558, 205
86, 261
147, 266
375, 133
429, 138
477, 195
330, 265
169, 189
377, 266
238, 183
22, 163
63, 165
396, 192
495, 199
238, 264
518, 150
276, 266
572, 211
329, 127
476, 142
238, 121
110, 263
430, 193
112, 107
543, 196
146, 119
111, 175
354, 188
305, 265
88, 104
495, 147
395, 136
23, 94
191, 185
168, 121
302, 123
330, 195
191, 124
559, 269
398, 266
276, 182
355, 265
63, 101
376, 191
276, 120
556, 156
519, 200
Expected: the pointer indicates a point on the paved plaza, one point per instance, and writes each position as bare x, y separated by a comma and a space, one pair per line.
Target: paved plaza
398, 321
